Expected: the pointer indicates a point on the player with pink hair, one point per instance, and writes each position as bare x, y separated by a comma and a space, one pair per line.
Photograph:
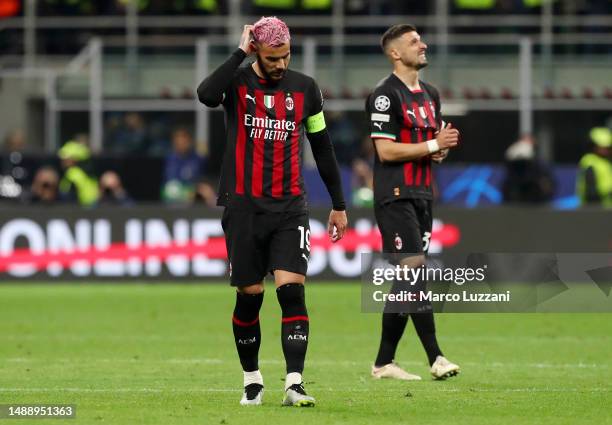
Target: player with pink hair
269, 39
271, 31
269, 110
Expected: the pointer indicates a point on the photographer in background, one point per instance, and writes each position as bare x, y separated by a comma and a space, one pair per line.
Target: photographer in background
594, 182
78, 183
112, 192
528, 180
44, 189
182, 169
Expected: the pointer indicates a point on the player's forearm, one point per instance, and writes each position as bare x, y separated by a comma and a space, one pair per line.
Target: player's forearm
400, 152
210, 91
325, 157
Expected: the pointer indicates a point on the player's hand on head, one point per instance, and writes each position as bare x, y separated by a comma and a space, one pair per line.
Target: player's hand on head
246, 40
336, 225
447, 137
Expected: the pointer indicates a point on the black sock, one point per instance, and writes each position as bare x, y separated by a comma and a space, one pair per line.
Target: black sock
294, 328
393, 325
247, 333
426, 330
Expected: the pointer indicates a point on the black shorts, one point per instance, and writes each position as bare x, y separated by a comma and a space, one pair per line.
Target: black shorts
261, 242
405, 226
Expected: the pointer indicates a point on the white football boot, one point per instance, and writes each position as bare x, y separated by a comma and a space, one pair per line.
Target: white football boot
253, 389
393, 371
442, 368
296, 396
253, 395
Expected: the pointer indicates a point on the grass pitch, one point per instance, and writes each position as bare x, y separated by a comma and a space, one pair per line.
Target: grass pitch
164, 354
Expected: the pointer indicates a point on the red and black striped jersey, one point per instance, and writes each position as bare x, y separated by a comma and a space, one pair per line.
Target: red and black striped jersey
265, 123
404, 116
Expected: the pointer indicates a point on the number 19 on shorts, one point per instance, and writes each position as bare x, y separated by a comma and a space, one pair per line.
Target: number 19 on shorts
304, 238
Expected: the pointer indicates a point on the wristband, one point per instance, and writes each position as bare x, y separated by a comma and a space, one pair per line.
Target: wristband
432, 146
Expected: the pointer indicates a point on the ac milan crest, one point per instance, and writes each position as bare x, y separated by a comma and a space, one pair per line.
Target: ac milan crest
289, 103
398, 242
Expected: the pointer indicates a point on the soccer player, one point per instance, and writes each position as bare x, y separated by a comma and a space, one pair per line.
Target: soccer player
408, 133
269, 108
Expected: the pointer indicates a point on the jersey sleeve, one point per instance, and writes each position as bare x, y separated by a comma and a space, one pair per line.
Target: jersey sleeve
229, 95
381, 117
212, 91
315, 120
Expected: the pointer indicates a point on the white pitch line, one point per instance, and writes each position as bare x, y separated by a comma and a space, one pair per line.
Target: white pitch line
149, 338
541, 339
123, 390
238, 390
348, 363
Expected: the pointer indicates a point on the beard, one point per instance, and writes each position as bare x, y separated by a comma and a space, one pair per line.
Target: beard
274, 76
416, 65
421, 65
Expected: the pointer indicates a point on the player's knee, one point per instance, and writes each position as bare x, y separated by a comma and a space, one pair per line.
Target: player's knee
282, 277
291, 299
293, 290
256, 288
413, 262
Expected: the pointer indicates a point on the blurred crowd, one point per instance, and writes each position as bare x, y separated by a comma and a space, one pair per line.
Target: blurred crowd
71, 40
72, 177
185, 173
351, 7
114, 7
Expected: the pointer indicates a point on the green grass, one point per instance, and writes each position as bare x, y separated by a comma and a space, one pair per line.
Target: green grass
164, 354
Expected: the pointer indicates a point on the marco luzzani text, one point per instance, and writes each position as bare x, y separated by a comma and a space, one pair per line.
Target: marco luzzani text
411, 276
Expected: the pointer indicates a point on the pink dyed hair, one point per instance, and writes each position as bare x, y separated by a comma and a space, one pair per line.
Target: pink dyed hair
271, 31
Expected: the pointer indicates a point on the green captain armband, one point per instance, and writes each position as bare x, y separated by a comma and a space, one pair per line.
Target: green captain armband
315, 123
